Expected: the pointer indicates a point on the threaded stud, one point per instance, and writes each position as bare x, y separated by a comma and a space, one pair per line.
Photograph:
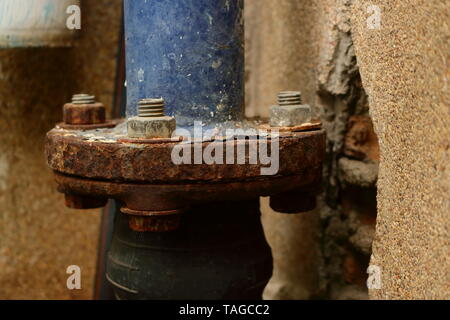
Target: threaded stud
148, 108
289, 98
83, 99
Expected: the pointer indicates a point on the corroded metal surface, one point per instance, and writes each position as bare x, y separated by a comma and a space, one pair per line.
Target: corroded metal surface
165, 197
84, 202
196, 63
87, 127
154, 223
313, 125
77, 114
92, 166
157, 207
150, 141
99, 155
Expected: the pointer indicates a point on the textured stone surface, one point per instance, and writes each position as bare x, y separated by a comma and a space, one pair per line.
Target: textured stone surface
404, 67
363, 237
307, 46
39, 237
361, 141
358, 173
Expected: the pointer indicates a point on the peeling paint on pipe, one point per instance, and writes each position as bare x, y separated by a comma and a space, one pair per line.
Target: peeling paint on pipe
35, 23
191, 53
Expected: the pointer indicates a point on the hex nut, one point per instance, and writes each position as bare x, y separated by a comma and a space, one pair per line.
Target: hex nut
84, 202
289, 116
151, 127
84, 114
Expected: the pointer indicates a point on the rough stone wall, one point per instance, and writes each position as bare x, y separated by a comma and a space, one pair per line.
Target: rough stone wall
39, 237
404, 88
307, 46
405, 69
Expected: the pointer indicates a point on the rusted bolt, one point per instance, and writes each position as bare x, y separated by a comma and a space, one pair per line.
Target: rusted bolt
83, 202
298, 200
83, 110
290, 111
153, 221
293, 202
154, 224
83, 98
289, 98
151, 121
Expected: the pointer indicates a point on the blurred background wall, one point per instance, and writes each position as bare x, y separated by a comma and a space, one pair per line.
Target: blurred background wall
396, 165
308, 46
39, 237
358, 61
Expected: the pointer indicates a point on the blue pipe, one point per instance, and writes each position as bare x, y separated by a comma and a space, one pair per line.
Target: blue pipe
191, 53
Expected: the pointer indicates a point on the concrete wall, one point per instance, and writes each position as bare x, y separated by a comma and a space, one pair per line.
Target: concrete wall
39, 237
405, 70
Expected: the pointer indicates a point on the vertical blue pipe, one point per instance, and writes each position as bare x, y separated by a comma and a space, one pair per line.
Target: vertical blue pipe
191, 53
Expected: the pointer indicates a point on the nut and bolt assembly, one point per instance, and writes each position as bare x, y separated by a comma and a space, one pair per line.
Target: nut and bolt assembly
290, 111
151, 121
83, 98
83, 110
289, 98
190, 214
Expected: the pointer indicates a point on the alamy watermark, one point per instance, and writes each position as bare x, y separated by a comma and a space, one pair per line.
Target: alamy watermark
374, 20
374, 279
73, 21
233, 146
74, 280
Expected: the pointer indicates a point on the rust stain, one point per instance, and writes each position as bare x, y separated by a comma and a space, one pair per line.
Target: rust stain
93, 166
361, 141
77, 114
104, 157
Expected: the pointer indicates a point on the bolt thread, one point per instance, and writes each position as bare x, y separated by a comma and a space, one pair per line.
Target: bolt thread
289, 98
151, 108
83, 99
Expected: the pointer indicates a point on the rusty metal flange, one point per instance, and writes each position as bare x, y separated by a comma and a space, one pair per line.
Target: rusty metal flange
87, 127
102, 164
100, 155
